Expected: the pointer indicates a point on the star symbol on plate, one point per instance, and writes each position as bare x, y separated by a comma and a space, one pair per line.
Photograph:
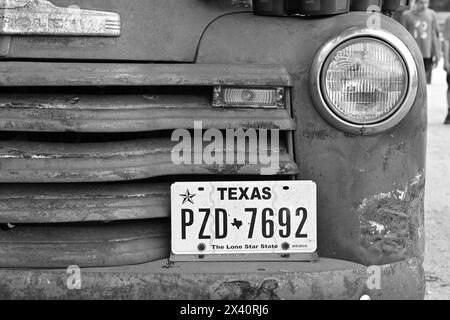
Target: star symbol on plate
187, 197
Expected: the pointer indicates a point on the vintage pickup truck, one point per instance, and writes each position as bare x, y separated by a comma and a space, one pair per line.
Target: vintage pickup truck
91, 92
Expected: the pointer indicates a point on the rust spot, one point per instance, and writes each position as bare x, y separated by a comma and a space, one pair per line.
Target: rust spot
226, 169
317, 292
245, 290
270, 125
355, 288
74, 100
317, 134
286, 168
350, 135
401, 147
391, 224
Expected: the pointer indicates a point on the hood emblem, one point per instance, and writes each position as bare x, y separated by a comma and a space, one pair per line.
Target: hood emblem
41, 17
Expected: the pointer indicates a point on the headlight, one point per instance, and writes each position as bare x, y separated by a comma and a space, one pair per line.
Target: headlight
364, 82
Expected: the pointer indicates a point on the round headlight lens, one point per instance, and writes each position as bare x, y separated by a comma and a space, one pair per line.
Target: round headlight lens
364, 81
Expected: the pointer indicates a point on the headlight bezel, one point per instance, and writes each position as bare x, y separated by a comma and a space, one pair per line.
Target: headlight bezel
323, 105
335, 109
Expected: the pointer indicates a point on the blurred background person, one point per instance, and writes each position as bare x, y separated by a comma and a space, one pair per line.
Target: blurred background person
447, 63
421, 22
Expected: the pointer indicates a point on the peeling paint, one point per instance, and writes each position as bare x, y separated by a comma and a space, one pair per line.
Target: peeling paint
391, 223
230, 169
246, 290
270, 125
323, 134
379, 227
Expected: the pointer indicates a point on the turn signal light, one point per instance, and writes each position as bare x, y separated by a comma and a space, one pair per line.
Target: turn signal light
249, 97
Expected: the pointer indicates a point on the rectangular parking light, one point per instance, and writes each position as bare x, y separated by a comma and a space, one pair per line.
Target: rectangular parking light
248, 97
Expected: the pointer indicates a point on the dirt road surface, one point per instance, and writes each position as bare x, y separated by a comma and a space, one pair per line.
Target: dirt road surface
437, 201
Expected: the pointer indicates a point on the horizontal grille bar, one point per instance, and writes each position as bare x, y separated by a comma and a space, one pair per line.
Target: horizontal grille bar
31, 203
39, 162
73, 136
129, 113
93, 202
59, 246
115, 74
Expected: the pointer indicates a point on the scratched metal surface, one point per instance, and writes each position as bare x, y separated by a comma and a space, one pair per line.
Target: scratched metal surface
63, 203
128, 113
13, 73
39, 162
324, 279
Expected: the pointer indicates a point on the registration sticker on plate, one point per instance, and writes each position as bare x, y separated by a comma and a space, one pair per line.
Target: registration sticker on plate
243, 217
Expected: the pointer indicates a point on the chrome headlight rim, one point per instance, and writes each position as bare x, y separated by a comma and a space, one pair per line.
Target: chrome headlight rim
324, 106
334, 108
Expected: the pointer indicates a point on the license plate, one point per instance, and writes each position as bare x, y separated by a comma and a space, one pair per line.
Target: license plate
243, 217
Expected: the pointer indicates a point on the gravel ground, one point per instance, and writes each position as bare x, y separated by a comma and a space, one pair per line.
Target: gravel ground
437, 201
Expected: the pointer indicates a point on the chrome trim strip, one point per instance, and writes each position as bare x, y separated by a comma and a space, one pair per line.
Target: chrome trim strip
41, 17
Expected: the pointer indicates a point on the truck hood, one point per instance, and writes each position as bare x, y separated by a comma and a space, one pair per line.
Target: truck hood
138, 30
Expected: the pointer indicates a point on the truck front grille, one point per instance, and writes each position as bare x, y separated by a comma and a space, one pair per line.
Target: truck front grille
85, 171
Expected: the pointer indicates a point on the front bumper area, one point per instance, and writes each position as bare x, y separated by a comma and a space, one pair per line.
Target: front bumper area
324, 279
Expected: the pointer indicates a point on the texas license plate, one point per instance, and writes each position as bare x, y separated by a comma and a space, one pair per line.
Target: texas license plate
243, 217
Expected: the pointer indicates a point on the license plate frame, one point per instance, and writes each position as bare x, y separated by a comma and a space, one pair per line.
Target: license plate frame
193, 196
